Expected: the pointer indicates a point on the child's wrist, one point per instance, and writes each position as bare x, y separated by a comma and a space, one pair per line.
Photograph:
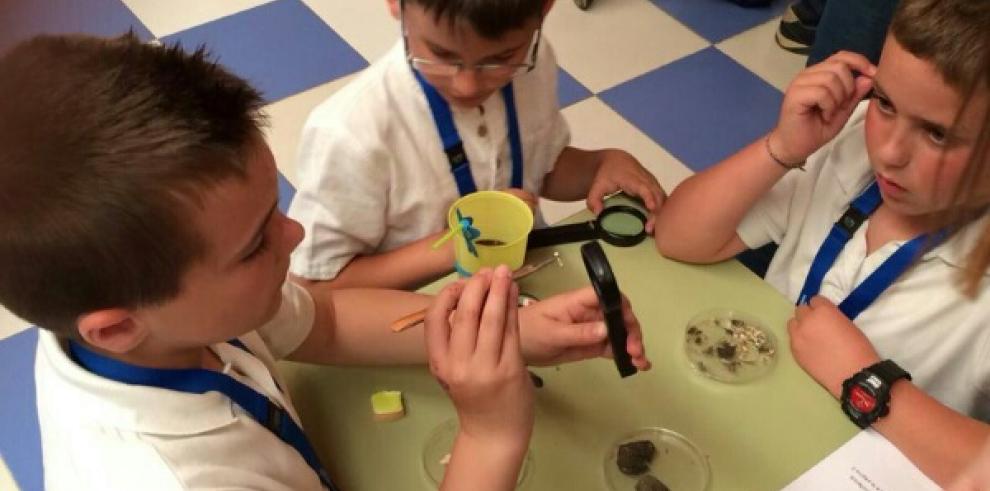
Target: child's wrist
505, 447
774, 148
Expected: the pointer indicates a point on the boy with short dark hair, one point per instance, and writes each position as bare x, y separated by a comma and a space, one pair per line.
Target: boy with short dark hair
467, 101
139, 230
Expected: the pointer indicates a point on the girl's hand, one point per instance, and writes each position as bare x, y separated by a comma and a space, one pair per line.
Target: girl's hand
818, 103
828, 345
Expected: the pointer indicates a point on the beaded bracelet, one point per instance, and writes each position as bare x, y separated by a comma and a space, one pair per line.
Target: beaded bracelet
786, 165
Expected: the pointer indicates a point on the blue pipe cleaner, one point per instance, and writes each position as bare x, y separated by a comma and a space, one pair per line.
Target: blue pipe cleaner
470, 233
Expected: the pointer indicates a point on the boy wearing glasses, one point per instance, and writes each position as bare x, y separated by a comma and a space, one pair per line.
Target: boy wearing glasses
467, 101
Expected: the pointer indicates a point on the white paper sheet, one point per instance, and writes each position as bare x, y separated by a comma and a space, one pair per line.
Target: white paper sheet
867, 462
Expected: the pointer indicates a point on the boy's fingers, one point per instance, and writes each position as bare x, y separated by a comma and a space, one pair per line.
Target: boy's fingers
596, 197
511, 345
464, 332
437, 324
581, 334
491, 330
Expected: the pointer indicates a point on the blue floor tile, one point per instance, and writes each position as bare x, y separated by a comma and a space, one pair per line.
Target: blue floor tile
701, 108
569, 90
285, 193
282, 48
20, 20
717, 20
20, 440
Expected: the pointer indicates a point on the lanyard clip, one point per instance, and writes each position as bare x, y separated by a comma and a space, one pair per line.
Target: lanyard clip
851, 220
274, 419
456, 155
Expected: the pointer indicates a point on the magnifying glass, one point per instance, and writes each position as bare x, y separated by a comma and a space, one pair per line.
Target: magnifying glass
602, 279
619, 225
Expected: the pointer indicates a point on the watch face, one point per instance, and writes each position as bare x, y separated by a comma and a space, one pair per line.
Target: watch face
862, 400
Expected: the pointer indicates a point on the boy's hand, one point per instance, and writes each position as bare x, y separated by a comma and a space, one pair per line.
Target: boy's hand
620, 171
818, 103
828, 345
570, 327
472, 341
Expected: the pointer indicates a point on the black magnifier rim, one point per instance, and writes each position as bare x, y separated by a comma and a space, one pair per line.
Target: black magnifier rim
621, 240
607, 289
589, 230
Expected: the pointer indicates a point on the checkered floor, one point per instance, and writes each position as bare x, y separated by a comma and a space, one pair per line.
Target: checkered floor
679, 83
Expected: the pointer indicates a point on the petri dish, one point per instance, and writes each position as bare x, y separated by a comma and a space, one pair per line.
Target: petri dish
438, 445
677, 463
729, 346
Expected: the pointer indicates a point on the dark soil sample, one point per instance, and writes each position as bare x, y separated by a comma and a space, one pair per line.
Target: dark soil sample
489, 242
725, 350
633, 458
650, 483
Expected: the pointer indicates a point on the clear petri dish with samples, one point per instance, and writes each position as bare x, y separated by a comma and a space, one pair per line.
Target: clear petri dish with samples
730, 346
655, 459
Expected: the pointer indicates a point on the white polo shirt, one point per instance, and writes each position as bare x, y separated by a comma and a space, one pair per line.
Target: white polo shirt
372, 173
923, 322
102, 435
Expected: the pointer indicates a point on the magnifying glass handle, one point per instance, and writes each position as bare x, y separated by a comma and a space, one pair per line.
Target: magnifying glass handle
617, 339
561, 234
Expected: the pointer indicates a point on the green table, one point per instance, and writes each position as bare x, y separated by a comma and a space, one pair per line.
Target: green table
756, 436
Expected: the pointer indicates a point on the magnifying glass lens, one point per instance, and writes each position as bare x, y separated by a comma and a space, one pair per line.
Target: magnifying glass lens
622, 224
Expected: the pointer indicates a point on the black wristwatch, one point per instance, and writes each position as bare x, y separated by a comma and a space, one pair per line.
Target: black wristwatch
866, 395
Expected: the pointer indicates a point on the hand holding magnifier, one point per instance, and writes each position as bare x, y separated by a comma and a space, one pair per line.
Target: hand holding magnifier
602, 279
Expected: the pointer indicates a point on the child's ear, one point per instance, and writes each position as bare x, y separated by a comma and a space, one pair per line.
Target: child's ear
393, 8
113, 330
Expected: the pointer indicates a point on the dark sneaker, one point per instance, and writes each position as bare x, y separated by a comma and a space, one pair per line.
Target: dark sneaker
796, 32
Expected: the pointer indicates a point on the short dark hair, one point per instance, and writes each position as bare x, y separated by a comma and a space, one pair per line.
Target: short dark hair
490, 18
106, 149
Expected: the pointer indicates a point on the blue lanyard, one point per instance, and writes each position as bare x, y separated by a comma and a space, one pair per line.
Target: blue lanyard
863, 295
200, 381
454, 147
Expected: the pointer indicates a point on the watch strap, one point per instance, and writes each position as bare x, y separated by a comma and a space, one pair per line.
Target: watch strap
888, 371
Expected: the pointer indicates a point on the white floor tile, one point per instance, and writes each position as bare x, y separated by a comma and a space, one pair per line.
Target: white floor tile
287, 117
756, 50
6, 480
169, 17
616, 40
594, 125
365, 24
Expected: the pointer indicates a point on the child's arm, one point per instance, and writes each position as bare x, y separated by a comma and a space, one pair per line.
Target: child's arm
406, 267
472, 337
977, 476
594, 174
698, 223
352, 326
940, 441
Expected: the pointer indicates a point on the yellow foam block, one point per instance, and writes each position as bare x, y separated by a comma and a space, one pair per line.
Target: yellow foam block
387, 405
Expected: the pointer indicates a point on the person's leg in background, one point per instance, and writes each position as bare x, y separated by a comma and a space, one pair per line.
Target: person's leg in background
798, 26
852, 25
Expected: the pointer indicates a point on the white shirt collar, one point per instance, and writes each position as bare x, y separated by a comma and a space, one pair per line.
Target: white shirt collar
94, 400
